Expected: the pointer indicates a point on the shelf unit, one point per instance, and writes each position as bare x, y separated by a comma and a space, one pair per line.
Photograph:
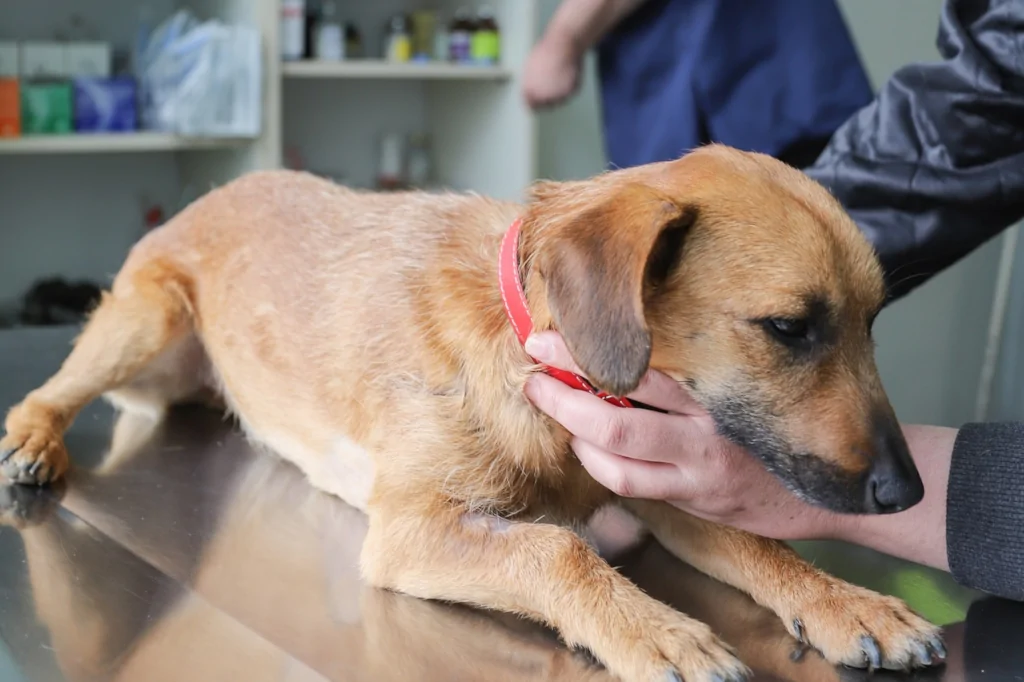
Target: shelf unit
331, 115
115, 143
383, 70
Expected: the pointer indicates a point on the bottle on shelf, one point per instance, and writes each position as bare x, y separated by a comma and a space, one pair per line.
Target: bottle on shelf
424, 23
353, 41
419, 166
391, 167
460, 36
311, 20
440, 50
330, 37
293, 29
485, 44
398, 43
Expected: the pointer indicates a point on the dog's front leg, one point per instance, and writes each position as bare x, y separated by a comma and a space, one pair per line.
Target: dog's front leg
547, 573
846, 623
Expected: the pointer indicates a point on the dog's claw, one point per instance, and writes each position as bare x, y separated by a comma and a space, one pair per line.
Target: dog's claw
674, 676
938, 648
6, 454
798, 628
35, 467
872, 652
798, 653
923, 653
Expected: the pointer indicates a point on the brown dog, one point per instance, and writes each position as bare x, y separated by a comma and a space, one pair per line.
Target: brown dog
363, 337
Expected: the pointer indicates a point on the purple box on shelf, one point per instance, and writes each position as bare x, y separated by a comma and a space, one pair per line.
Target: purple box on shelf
105, 105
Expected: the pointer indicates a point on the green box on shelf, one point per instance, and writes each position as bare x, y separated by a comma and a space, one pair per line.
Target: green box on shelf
45, 108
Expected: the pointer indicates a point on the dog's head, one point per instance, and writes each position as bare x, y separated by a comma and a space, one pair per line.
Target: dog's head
746, 281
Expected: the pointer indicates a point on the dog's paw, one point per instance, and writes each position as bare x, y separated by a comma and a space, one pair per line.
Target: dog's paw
22, 506
670, 647
859, 628
34, 456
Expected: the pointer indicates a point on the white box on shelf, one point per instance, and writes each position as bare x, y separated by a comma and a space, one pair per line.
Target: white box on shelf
89, 59
43, 60
9, 60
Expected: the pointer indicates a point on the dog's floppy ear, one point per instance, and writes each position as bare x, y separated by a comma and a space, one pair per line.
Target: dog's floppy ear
600, 255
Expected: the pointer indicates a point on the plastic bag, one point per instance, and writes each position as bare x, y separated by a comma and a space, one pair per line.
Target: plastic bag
200, 78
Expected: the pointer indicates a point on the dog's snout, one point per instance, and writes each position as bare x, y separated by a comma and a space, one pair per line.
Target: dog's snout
893, 483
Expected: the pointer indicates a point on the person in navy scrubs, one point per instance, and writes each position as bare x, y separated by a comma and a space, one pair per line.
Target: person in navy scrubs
772, 76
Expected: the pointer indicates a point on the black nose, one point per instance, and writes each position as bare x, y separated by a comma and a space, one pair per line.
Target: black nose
893, 483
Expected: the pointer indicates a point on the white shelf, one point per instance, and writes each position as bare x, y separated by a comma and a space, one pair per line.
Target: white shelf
113, 143
380, 69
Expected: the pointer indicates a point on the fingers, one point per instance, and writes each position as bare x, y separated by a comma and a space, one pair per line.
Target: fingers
540, 100
632, 477
640, 434
550, 348
655, 389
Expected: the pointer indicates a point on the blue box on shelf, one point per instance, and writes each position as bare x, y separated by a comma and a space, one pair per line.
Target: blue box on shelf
105, 105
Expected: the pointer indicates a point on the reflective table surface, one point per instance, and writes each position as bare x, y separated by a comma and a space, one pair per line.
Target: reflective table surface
175, 551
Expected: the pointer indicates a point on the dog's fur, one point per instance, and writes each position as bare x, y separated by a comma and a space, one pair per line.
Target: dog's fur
363, 337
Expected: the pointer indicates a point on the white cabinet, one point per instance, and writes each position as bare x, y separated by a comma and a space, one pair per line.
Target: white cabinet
72, 205
482, 135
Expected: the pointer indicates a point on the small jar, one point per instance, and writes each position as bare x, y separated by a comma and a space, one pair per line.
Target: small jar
460, 36
485, 45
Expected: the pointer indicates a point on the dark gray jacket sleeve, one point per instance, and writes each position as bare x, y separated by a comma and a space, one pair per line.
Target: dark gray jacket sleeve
985, 509
934, 167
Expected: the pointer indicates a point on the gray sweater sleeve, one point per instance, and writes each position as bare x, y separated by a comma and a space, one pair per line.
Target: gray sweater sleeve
985, 509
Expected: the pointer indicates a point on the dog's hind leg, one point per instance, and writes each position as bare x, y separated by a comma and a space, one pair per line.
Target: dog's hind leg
848, 624
147, 310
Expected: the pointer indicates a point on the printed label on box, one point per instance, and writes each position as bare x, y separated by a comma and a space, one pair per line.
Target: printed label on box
89, 59
43, 60
9, 60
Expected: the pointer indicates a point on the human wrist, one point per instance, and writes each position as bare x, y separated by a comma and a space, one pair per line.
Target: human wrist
566, 39
917, 534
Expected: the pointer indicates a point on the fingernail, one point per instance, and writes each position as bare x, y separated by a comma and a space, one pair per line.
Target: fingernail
539, 349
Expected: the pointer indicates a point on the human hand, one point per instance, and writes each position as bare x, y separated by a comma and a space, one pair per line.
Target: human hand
552, 72
677, 457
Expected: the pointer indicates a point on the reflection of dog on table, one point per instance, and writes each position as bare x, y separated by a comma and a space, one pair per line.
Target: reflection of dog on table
281, 559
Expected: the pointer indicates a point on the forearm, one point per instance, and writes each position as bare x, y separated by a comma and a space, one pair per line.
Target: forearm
971, 520
918, 534
582, 23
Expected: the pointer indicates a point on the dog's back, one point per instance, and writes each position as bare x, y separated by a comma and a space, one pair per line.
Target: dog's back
309, 299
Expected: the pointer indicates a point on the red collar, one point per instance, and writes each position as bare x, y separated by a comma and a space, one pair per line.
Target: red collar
518, 311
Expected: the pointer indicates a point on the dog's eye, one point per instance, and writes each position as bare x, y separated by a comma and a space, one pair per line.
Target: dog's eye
788, 330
